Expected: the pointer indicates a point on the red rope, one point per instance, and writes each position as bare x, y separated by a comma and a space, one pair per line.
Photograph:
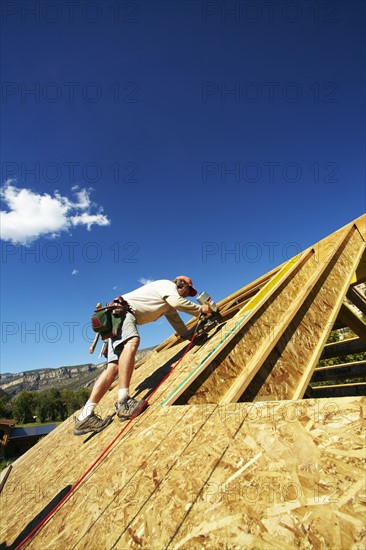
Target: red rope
81, 479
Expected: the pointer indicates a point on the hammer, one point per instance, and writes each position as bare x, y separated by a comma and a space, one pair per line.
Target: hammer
96, 338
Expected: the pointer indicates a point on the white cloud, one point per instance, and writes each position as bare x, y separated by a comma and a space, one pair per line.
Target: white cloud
75, 272
144, 281
31, 215
89, 220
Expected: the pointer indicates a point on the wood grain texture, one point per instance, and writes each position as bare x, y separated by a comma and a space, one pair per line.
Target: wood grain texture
264, 475
291, 364
253, 340
283, 474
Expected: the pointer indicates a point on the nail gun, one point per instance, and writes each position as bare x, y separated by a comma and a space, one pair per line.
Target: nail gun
215, 317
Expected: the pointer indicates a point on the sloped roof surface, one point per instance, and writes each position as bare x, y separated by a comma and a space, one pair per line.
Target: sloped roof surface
202, 467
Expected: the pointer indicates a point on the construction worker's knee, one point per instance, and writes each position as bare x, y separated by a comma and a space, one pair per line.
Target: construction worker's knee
133, 343
113, 367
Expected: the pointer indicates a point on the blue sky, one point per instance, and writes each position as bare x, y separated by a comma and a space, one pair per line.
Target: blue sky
144, 140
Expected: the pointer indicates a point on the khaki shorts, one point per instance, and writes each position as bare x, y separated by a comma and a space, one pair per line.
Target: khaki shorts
129, 330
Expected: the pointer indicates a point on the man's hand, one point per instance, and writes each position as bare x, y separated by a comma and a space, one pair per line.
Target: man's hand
117, 308
119, 305
206, 310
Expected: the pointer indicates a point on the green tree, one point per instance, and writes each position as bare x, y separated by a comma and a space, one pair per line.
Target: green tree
73, 400
56, 406
47, 406
5, 405
43, 407
24, 407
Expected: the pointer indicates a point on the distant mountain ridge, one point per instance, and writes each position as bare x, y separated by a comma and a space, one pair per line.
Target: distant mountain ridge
72, 377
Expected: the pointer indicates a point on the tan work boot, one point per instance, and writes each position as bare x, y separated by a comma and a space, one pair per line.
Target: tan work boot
92, 423
129, 408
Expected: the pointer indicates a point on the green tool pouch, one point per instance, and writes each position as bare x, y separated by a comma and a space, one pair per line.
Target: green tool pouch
105, 323
101, 322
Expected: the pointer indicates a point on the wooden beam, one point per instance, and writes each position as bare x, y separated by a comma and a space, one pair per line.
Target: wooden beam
355, 369
324, 249
5, 477
340, 390
353, 321
344, 347
354, 259
360, 274
243, 317
360, 223
357, 299
246, 376
252, 367
287, 372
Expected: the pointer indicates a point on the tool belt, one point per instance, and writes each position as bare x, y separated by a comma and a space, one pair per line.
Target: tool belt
108, 320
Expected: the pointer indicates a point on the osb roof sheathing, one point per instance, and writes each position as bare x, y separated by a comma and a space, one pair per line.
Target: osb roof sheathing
271, 475
264, 475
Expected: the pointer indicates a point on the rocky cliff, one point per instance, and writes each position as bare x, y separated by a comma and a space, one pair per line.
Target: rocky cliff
43, 379
72, 377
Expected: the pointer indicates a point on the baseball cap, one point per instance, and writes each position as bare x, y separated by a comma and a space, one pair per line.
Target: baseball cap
192, 290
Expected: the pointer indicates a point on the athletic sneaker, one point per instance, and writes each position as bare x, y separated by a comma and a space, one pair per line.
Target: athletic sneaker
92, 423
130, 407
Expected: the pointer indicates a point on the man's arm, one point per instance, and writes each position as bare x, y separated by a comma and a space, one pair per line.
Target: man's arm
180, 304
176, 322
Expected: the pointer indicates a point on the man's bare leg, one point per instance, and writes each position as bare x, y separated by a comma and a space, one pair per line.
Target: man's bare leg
126, 362
128, 407
100, 388
104, 382
123, 367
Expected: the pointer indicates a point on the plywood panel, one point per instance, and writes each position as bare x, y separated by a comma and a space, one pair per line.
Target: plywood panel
195, 476
291, 364
120, 478
275, 476
61, 458
255, 338
291, 478
264, 475
53, 464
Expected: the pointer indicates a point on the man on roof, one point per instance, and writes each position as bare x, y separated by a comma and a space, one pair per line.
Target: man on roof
146, 304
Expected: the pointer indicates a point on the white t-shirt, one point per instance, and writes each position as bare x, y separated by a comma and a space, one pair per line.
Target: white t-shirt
158, 298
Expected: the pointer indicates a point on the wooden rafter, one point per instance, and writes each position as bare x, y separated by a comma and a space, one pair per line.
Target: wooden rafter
344, 347
353, 321
265, 356
343, 371
357, 299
